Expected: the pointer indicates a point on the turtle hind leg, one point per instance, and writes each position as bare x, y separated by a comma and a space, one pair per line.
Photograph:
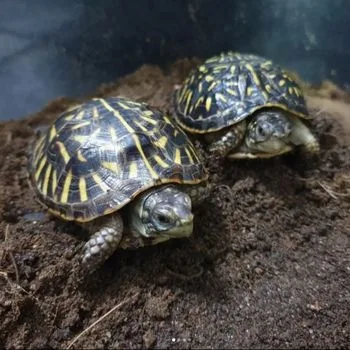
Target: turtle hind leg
106, 235
228, 140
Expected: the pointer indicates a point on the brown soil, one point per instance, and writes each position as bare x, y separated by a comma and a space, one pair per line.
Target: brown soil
268, 265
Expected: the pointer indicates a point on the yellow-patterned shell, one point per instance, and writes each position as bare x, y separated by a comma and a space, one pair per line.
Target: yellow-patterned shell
229, 87
96, 157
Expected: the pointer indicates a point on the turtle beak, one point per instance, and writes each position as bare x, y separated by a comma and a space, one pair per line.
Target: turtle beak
272, 148
184, 230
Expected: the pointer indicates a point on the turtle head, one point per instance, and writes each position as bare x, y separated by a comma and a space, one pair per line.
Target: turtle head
162, 213
268, 133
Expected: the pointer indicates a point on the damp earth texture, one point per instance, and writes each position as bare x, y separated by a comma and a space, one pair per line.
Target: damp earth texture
268, 264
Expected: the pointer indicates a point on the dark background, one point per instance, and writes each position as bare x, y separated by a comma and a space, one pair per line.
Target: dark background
68, 47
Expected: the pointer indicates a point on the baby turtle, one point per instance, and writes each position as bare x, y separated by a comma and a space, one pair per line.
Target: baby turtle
245, 106
122, 170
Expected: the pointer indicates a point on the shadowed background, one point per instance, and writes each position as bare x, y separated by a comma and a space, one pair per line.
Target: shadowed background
54, 48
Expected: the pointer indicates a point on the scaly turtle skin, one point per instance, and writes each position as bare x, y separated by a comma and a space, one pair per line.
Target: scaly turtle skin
122, 170
245, 106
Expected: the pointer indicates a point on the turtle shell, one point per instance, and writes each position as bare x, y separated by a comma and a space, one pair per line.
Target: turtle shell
96, 157
227, 88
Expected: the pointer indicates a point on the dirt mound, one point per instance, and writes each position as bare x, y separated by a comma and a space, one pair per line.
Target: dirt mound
267, 266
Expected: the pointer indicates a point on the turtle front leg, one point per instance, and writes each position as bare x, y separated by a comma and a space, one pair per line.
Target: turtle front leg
198, 193
228, 140
302, 136
106, 235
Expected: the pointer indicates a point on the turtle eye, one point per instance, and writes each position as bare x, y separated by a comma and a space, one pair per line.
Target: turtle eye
163, 219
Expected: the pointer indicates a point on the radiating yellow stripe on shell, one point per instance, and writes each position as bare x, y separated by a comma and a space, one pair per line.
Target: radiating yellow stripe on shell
160, 161
231, 92
249, 90
133, 170
212, 85
40, 168
82, 189
69, 117
146, 162
95, 114
161, 142
80, 125
189, 155
117, 114
80, 157
254, 75
266, 64
80, 115
144, 129
123, 105
66, 188
100, 183
167, 120
182, 92
188, 100
199, 101
80, 138
177, 158
148, 119
63, 151
38, 148
112, 166
135, 138
53, 132
46, 179
208, 78
200, 87
54, 181
208, 104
